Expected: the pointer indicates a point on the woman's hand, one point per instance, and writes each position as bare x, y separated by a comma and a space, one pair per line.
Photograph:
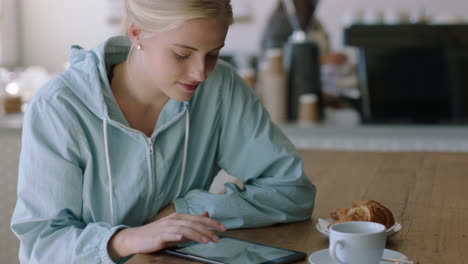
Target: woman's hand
162, 233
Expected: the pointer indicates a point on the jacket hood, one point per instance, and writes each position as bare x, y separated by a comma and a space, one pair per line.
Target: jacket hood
88, 72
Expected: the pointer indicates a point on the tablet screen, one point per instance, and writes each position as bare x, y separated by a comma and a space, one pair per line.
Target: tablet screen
235, 251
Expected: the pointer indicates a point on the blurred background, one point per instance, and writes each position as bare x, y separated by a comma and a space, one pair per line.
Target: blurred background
389, 61
365, 75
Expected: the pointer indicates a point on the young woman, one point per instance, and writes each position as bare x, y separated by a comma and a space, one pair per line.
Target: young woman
118, 152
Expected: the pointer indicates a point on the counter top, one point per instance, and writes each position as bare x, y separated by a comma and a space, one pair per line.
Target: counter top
436, 138
425, 191
11, 121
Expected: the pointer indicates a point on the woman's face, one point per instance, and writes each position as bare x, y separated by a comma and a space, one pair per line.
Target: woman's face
176, 61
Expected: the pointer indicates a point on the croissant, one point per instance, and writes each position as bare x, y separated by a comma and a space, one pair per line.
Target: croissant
365, 210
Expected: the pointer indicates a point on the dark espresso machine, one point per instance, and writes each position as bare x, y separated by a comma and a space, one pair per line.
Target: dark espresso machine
301, 56
412, 73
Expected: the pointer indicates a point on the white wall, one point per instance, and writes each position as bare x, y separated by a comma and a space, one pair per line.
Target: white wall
49, 27
246, 37
9, 36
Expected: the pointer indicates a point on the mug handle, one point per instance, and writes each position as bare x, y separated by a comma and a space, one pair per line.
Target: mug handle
333, 251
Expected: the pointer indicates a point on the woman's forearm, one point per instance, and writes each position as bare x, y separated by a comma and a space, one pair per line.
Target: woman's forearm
118, 244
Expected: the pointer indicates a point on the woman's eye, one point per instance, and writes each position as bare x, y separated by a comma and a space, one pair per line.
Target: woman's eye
180, 57
215, 56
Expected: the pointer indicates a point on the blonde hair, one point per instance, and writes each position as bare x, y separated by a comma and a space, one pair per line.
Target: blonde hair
157, 16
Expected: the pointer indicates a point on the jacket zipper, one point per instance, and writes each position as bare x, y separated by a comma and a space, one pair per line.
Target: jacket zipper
150, 146
149, 142
152, 181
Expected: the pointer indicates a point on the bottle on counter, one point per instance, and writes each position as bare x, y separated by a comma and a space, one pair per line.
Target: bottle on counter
273, 83
248, 74
308, 112
11, 100
245, 70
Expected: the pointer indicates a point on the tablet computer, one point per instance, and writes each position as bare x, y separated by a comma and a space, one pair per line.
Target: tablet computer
230, 250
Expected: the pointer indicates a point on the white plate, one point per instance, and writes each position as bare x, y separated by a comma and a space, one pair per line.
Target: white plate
322, 257
322, 227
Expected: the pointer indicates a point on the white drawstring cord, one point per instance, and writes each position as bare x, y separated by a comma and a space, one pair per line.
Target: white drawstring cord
109, 172
184, 160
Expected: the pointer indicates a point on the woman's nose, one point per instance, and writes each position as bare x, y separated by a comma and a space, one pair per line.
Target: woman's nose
199, 71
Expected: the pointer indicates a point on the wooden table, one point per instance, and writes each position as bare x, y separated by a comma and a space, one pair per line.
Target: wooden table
427, 193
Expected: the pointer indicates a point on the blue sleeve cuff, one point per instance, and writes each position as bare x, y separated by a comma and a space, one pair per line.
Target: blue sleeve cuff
181, 206
103, 253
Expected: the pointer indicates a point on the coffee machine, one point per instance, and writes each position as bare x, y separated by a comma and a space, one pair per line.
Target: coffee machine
412, 73
301, 57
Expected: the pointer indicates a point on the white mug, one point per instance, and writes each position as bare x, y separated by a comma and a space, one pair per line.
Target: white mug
357, 242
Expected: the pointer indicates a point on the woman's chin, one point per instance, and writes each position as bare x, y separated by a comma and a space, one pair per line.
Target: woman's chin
182, 97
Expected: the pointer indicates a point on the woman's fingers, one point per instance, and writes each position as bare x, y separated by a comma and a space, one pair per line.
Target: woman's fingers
171, 237
192, 230
202, 219
174, 229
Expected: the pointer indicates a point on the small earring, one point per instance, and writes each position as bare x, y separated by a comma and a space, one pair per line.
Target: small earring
139, 47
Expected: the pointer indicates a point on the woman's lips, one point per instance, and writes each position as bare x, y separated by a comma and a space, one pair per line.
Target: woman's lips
188, 87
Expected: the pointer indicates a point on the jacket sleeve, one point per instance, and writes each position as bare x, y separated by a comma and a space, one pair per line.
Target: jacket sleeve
253, 149
47, 218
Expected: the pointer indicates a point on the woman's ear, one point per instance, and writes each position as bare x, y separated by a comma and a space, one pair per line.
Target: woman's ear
134, 33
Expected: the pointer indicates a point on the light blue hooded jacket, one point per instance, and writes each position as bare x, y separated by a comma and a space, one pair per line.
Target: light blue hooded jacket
84, 173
